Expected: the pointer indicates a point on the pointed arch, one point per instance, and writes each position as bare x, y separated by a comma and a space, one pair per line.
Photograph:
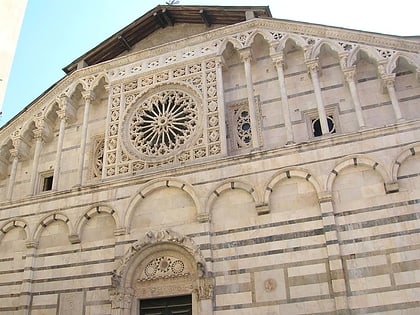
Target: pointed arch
236, 44
298, 40
286, 174
334, 46
355, 160
411, 150
263, 33
15, 223
92, 212
50, 111
230, 185
355, 55
49, 219
157, 184
393, 62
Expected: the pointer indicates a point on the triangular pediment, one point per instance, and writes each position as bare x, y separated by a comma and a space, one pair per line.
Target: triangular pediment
163, 24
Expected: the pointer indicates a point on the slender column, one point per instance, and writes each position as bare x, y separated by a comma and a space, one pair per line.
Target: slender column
313, 68
57, 164
349, 76
88, 96
15, 155
279, 63
221, 107
388, 81
335, 263
66, 112
35, 162
246, 59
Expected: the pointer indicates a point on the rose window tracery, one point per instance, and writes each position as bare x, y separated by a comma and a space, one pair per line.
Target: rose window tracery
163, 122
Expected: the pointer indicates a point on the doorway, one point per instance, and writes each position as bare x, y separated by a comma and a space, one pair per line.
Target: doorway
175, 305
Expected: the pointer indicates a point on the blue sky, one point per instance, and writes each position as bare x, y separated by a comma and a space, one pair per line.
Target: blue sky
55, 32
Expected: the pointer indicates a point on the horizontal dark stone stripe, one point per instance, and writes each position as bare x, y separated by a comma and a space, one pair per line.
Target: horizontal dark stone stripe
76, 250
379, 236
376, 208
269, 239
6, 259
44, 307
74, 277
10, 295
71, 290
408, 176
308, 279
99, 302
271, 267
378, 222
232, 288
270, 252
78, 264
277, 302
409, 98
5, 284
267, 225
4, 272
385, 308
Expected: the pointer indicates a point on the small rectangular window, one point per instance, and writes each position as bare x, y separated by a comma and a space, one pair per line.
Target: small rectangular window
47, 183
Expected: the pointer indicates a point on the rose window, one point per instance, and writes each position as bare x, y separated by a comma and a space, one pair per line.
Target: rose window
163, 122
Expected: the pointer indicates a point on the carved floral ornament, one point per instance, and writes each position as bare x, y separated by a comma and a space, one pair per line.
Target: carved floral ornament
162, 263
162, 122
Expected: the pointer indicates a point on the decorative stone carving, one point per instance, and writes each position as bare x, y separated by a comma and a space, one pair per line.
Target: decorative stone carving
163, 123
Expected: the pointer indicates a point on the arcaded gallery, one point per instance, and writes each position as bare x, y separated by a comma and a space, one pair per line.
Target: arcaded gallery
218, 160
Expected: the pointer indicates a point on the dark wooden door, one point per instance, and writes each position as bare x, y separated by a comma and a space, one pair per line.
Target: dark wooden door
176, 305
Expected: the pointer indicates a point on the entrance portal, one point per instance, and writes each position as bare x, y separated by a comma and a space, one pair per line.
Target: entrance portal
175, 305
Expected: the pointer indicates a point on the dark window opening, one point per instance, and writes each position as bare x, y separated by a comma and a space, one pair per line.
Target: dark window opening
179, 305
316, 126
47, 183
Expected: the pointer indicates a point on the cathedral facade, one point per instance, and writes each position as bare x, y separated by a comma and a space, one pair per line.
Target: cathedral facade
216, 160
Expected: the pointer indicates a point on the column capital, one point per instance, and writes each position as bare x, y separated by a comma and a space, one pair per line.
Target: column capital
43, 129
388, 81
278, 59
20, 148
88, 95
246, 54
312, 65
349, 73
67, 110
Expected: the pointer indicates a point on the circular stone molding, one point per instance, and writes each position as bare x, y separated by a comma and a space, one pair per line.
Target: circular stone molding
162, 122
